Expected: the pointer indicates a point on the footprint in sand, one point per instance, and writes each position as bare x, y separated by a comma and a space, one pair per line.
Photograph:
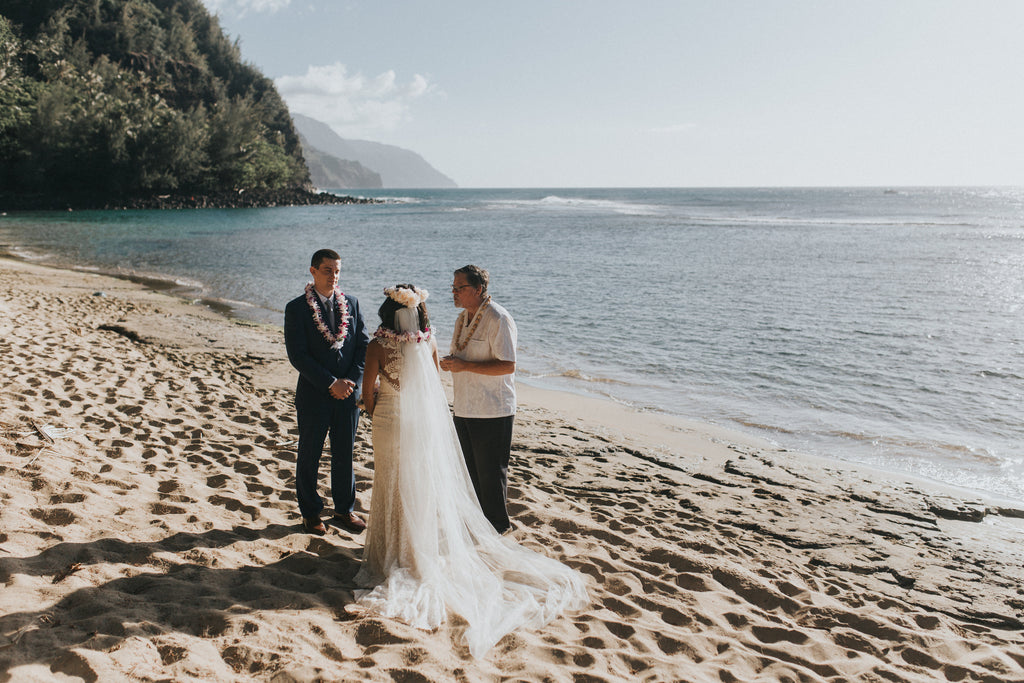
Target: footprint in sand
248, 659
515, 509
619, 629
235, 506
164, 509
246, 468
177, 498
67, 498
54, 516
670, 615
583, 659
376, 632
775, 634
258, 488
789, 589
118, 485
671, 646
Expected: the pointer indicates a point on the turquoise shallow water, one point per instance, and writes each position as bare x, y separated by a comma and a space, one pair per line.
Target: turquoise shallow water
879, 326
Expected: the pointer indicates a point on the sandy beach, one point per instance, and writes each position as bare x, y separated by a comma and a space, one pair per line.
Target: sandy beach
148, 529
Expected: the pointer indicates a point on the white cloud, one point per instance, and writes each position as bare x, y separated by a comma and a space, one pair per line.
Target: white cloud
352, 104
243, 7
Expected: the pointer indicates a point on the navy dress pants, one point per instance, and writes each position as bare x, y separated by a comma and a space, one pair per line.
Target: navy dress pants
318, 417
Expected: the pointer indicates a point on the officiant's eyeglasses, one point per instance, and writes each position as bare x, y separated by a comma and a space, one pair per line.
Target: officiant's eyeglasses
456, 289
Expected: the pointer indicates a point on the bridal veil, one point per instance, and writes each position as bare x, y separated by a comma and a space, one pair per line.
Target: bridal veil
429, 550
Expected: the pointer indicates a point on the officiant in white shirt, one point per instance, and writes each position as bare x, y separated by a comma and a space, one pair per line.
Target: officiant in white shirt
482, 360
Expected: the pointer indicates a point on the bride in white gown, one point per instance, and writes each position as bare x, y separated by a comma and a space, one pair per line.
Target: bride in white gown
429, 549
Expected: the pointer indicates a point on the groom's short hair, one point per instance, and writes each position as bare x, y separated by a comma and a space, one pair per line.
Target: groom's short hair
322, 255
476, 277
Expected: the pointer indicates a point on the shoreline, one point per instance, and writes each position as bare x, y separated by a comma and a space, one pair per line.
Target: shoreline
660, 432
856, 451
650, 428
148, 528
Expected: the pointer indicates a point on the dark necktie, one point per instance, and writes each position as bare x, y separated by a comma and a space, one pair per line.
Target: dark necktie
329, 314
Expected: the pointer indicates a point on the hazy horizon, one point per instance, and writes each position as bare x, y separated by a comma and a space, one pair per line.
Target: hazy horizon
665, 93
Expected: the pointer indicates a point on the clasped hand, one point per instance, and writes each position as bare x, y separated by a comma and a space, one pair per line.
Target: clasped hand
342, 389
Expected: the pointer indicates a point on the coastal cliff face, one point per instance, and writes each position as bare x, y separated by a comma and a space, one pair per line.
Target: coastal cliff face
331, 172
394, 166
134, 98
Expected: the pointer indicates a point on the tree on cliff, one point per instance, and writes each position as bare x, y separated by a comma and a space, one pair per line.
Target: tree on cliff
122, 98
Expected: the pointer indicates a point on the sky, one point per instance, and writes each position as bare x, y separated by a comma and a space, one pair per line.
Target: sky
659, 93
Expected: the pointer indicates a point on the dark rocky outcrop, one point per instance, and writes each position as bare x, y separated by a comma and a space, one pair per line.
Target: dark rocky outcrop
219, 200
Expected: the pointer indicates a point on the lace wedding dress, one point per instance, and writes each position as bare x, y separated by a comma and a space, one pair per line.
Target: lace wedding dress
429, 549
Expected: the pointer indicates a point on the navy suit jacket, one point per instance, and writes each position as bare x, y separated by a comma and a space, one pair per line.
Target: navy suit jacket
318, 364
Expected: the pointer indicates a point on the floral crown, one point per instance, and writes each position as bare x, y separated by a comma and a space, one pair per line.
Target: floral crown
409, 297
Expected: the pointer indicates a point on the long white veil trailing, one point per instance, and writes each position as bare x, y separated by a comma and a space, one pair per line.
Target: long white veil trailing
441, 554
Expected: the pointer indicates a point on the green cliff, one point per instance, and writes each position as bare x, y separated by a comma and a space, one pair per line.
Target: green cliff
111, 99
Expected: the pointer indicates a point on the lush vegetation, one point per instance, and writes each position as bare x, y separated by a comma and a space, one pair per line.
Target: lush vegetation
134, 98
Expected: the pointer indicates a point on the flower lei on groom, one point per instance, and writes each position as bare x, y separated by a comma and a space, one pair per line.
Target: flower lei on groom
335, 339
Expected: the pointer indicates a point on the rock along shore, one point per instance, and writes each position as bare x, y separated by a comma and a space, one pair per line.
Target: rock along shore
230, 199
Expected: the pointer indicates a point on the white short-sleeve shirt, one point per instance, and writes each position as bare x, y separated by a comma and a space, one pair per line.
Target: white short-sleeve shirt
483, 395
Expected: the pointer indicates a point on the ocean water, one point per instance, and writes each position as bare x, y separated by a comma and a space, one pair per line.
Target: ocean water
881, 326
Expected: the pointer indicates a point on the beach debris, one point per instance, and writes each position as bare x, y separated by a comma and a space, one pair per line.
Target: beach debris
35, 457
13, 638
42, 431
48, 434
66, 572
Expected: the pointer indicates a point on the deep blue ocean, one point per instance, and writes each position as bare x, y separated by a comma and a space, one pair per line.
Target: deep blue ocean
882, 326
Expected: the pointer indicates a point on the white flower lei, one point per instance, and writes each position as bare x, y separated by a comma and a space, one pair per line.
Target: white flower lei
409, 298
335, 340
414, 337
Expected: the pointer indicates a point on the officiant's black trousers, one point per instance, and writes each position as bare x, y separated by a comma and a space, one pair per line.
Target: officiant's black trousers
486, 445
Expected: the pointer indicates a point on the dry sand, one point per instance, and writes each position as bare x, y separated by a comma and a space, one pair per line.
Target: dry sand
156, 536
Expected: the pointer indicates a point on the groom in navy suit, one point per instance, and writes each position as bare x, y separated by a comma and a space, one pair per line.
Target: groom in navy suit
326, 342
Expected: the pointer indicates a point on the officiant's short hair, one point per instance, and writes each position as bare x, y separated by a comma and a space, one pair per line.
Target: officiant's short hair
475, 276
322, 255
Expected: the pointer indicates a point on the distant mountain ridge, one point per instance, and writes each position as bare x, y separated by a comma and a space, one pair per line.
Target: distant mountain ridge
326, 171
332, 158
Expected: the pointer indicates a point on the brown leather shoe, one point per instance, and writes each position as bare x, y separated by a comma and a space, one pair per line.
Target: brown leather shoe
350, 522
314, 525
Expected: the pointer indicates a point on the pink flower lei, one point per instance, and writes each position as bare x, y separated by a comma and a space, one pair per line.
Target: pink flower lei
335, 340
414, 337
